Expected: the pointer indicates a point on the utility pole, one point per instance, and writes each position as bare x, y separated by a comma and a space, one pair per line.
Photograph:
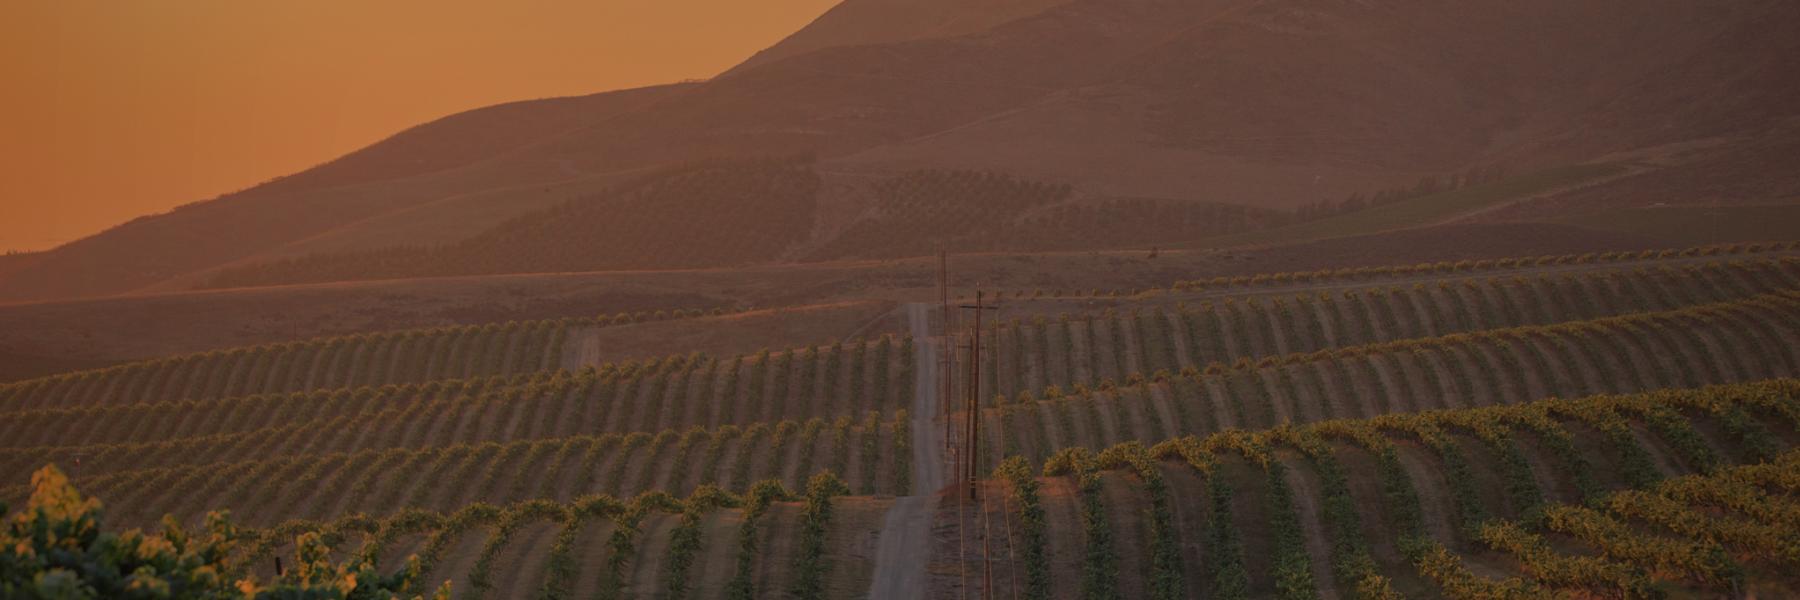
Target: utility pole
999, 348
945, 348
962, 505
972, 446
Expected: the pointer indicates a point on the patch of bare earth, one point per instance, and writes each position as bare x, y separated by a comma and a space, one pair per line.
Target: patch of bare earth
1126, 505
1363, 473
644, 572
777, 543
851, 545
518, 572
591, 548
1249, 515
1308, 494
458, 558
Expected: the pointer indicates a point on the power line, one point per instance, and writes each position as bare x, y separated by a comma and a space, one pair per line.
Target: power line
972, 447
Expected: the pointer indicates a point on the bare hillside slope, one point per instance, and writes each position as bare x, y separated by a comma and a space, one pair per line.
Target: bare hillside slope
1267, 104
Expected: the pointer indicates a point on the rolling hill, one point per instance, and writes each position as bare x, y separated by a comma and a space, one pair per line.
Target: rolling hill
1299, 299
825, 299
1263, 105
1576, 424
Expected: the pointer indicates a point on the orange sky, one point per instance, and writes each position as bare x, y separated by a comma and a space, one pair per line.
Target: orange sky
111, 109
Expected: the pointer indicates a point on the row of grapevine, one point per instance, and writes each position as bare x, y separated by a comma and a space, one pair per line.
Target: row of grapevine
1651, 529
1353, 565
631, 396
756, 506
1149, 337
1664, 534
1708, 550
352, 361
421, 355
1264, 283
591, 549
810, 564
1622, 354
174, 420
1032, 526
1484, 265
1100, 560
330, 483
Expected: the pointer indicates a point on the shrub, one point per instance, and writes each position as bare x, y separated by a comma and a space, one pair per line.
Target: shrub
56, 547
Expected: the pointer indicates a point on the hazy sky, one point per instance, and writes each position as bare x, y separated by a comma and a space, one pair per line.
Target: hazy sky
110, 109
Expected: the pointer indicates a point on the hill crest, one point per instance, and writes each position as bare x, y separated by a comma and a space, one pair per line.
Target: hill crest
1266, 105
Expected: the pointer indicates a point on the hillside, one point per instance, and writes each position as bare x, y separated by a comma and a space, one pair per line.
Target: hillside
1188, 361
83, 333
863, 22
1028, 299
426, 164
1121, 100
1516, 425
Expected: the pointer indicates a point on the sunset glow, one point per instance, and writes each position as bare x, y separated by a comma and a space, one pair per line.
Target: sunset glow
113, 110
899, 299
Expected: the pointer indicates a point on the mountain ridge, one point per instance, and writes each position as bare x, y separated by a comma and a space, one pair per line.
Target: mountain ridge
1269, 105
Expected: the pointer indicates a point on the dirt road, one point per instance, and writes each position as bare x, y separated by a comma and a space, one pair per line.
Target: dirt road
905, 545
928, 437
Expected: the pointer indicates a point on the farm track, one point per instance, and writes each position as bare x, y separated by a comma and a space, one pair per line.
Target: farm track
904, 546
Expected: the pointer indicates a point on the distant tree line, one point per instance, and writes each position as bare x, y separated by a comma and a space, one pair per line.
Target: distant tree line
1427, 185
919, 211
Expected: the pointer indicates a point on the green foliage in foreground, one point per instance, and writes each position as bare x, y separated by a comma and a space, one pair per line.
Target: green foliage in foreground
56, 548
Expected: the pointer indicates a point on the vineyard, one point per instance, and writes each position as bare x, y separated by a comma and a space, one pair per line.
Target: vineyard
926, 299
971, 211
1506, 366
1142, 220
614, 428
1679, 491
1602, 426
923, 208
1168, 332
368, 360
